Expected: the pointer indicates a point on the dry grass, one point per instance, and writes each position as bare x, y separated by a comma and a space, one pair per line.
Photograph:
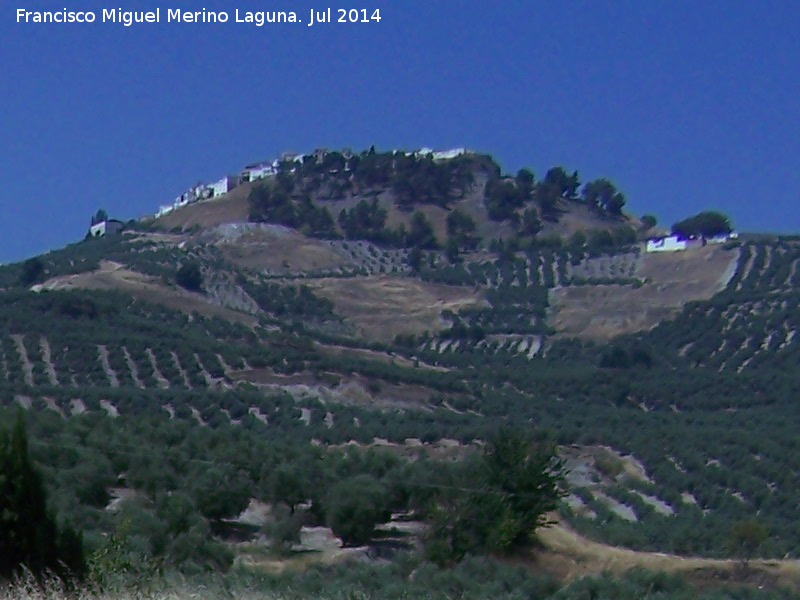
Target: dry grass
382, 307
230, 208
569, 555
281, 250
114, 276
382, 357
672, 280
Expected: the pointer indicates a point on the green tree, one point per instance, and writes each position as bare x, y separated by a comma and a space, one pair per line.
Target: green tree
745, 538
414, 259
564, 184
648, 222
219, 494
504, 497
577, 243
100, 216
189, 276
29, 534
602, 195
289, 485
706, 224
531, 225
452, 250
32, 271
526, 183
354, 506
421, 234
502, 197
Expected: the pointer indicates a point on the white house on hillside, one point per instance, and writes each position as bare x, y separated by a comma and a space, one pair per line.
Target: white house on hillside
439, 155
164, 209
671, 243
258, 170
107, 227
449, 154
223, 186
674, 243
722, 238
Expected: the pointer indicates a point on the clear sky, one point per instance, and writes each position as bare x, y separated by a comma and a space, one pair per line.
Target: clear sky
686, 105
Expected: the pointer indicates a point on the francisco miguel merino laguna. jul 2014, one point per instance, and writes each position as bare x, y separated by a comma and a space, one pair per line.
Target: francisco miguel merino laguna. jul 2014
259, 18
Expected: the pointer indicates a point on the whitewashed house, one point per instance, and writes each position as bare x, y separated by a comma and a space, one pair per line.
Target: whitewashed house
164, 209
107, 227
722, 238
670, 243
439, 155
223, 186
449, 154
256, 171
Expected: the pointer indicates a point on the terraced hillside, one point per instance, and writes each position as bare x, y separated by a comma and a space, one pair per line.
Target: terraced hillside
665, 379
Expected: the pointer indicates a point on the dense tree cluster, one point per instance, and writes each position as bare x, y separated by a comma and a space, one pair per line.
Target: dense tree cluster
602, 195
275, 204
504, 498
704, 224
30, 537
190, 276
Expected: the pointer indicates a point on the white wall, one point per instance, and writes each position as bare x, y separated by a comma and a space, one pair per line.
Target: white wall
667, 244
448, 154
261, 171
223, 186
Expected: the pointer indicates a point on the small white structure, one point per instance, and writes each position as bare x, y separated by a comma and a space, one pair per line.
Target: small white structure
449, 154
258, 170
165, 209
107, 227
223, 186
672, 243
722, 238
717, 239
440, 155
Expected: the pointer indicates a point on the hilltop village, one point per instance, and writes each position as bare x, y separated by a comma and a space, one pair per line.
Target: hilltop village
264, 169
268, 168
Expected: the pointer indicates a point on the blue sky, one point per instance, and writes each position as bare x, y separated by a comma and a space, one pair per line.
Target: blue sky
685, 105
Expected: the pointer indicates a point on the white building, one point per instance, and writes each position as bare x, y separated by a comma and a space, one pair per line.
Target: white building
258, 170
165, 209
671, 243
223, 186
107, 227
440, 155
722, 238
449, 154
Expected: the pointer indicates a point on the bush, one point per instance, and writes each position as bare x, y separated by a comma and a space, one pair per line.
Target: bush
354, 506
190, 277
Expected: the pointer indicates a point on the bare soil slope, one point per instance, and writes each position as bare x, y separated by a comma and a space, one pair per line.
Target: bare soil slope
230, 208
571, 555
381, 307
114, 276
672, 279
274, 248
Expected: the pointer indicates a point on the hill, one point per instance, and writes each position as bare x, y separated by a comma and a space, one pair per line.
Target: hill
363, 319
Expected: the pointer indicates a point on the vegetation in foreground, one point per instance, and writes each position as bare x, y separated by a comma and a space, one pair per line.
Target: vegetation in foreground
473, 579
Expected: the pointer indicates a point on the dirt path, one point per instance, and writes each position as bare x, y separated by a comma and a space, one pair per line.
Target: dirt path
186, 383
162, 381
102, 352
48, 361
748, 266
27, 367
132, 367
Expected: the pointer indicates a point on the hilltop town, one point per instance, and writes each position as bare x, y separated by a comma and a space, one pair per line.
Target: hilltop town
269, 168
